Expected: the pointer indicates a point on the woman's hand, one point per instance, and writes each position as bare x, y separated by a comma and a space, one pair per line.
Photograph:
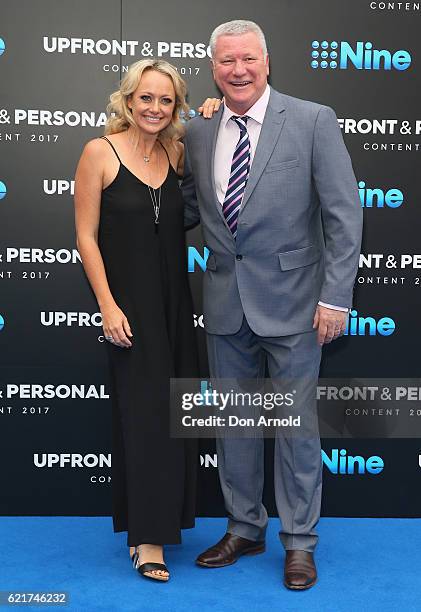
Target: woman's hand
209, 107
116, 326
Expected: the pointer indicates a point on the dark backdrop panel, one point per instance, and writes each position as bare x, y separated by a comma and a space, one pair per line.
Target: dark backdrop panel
57, 449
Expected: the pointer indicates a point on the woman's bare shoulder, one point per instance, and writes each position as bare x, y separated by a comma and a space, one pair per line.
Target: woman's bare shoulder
95, 148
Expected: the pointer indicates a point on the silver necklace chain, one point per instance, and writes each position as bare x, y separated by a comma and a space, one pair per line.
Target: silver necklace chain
155, 199
156, 202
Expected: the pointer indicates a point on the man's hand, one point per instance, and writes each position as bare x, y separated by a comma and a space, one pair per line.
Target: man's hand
209, 107
330, 323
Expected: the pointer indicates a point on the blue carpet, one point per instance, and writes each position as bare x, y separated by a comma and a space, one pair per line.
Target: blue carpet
364, 565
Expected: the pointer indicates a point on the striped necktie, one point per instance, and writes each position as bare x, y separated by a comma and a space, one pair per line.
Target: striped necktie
240, 168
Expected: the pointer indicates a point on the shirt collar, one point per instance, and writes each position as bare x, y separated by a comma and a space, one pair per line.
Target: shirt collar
256, 112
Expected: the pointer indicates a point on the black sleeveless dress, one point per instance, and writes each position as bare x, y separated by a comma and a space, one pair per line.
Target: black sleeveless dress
153, 475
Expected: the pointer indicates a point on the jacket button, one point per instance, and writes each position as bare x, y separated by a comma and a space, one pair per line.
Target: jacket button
238, 257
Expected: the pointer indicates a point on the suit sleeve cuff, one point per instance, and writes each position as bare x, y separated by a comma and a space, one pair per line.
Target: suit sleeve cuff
341, 308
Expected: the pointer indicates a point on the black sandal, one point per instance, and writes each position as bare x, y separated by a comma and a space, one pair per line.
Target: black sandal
145, 569
134, 557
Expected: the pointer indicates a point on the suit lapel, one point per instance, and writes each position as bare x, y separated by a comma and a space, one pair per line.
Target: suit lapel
271, 129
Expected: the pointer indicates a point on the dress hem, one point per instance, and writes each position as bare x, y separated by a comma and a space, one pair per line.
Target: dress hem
160, 541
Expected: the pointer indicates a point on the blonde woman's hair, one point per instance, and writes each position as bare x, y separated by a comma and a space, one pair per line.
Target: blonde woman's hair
119, 115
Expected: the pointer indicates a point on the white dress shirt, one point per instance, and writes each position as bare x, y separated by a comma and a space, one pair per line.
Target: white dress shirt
228, 135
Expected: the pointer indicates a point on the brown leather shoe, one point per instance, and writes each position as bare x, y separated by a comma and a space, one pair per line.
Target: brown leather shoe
228, 550
300, 571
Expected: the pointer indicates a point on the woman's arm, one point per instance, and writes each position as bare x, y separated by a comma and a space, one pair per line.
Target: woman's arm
88, 189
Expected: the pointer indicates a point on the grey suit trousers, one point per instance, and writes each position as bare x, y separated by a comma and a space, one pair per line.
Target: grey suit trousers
298, 467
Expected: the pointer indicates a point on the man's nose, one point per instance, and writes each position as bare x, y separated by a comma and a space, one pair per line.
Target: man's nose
239, 68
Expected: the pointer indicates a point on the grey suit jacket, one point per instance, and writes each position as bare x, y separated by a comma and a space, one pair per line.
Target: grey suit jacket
299, 228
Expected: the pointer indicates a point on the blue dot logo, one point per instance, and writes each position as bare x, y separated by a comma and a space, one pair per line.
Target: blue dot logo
324, 54
1, 322
2, 46
3, 190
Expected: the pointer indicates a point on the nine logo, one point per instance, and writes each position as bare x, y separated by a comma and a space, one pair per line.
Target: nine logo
362, 56
2, 46
377, 198
3, 190
194, 257
341, 463
1, 322
359, 326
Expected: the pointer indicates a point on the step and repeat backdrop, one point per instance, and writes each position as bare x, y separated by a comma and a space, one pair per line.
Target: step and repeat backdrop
59, 62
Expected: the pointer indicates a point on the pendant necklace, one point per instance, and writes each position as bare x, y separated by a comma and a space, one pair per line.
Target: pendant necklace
156, 203
154, 194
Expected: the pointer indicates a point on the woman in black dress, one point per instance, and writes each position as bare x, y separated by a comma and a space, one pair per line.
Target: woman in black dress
129, 221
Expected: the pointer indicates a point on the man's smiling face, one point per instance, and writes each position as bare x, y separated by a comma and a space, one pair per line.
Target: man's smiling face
240, 70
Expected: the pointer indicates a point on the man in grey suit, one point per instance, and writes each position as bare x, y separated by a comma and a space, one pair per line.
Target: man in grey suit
272, 184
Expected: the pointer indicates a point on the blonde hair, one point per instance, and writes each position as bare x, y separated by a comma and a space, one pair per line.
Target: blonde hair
119, 115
